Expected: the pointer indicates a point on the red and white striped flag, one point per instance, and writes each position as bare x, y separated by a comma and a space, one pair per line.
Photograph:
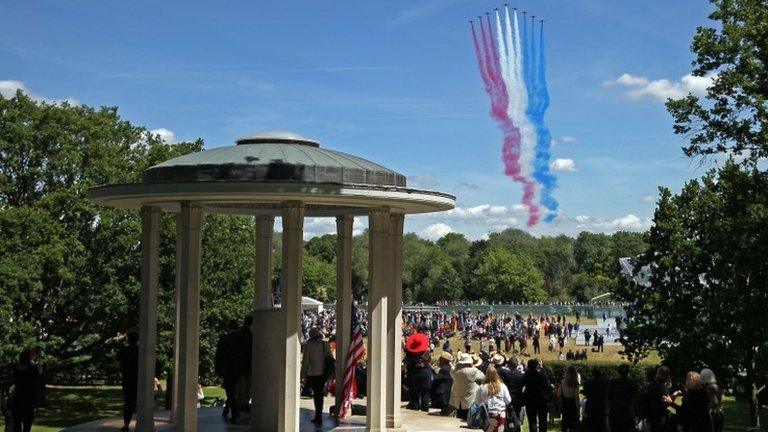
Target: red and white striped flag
356, 353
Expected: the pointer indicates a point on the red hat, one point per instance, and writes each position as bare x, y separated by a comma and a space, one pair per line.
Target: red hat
417, 343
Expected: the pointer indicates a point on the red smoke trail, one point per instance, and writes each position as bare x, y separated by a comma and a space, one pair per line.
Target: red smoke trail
490, 71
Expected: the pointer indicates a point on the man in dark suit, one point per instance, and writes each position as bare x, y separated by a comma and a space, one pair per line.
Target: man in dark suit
621, 402
596, 409
128, 358
232, 361
536, 394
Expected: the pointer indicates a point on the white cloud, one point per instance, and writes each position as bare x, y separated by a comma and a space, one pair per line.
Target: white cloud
569, 139
8, 89
629, 222
638, 87
165, 135
436, 231
563, 164
647, 199
484, 216
478, 221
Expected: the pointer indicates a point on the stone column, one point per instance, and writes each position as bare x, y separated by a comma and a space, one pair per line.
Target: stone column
343, 300
293, 250
379, 268
395, 320
189, 315
150, 247
265, 226
177, 324
262, 389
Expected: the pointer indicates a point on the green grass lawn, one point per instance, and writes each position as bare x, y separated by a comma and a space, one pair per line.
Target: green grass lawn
72, 405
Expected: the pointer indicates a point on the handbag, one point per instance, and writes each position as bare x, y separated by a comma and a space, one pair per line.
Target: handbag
477, 418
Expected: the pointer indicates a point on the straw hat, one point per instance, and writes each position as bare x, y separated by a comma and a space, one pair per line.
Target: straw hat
446, 356
465, 359
498, 360
477, 361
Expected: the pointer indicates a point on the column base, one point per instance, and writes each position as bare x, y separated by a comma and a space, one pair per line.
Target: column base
394, 424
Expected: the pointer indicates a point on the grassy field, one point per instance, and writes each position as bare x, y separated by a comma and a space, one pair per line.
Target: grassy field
612, 353
74, 405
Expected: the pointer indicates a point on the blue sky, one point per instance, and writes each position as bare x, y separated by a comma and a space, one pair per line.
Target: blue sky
393, 81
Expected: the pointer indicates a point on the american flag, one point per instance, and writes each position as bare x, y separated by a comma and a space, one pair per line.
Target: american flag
356, 353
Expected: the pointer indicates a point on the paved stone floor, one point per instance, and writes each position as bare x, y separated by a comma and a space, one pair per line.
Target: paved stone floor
209, 420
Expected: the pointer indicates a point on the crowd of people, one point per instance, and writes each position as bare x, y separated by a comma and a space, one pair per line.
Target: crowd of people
495, 388
496, 392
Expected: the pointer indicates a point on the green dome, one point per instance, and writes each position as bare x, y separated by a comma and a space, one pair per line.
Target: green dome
273, 157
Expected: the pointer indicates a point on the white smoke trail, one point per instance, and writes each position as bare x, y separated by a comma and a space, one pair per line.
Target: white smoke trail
503, 54
527, 132
514, 97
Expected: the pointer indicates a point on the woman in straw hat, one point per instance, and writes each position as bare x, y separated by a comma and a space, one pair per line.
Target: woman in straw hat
442, 382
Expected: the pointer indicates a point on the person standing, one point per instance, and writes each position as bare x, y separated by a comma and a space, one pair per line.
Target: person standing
514, 378
621, 402
657, 414
715, 396
536, 394
128, 358
418, 372
587, 337
26, 385
466, 380
229, 364
495, 396
569, 399
536, 343
313, 370
693, 412
596, 407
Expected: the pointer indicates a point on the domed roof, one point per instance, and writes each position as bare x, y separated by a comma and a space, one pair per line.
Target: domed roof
273, 157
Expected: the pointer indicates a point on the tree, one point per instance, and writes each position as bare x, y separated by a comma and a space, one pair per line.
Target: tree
506, 276
557, 262
436, 278
68, 269
733, 117
73, 296
318, 278
456, 246
708, 252
593, 253
323, 247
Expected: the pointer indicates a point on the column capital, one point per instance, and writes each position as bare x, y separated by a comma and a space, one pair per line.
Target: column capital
396, 223
264, 218
192, 205
378, 219
292, 213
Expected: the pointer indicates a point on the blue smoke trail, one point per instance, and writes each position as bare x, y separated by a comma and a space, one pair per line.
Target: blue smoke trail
537, 107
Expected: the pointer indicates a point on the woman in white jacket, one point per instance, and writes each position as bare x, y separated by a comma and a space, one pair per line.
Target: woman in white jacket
495, 396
